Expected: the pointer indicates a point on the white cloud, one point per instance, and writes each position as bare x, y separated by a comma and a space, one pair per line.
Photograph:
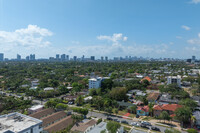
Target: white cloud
115, 38
194, 47
195, 1
195, 41
119, 50
185, 27
179, 37
116, 49
30, 37
75, 42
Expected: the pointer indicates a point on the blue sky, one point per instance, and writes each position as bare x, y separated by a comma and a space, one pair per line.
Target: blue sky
148, 28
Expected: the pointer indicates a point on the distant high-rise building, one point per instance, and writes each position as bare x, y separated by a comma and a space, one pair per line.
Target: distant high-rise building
193, 58
18, 57
75, 58
1, 56
67, 57
102, 58
27, 58
106, 58
32, 57
63, 57
92, 58
83, 57
57, 56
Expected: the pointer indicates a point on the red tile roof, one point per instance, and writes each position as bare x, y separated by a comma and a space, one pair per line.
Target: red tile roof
157, 107
60, 125
145, 108
169, 107
146, 78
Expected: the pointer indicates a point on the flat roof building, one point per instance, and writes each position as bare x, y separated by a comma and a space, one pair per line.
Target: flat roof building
19, 123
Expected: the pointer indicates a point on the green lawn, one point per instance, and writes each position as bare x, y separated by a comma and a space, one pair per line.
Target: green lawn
148, 118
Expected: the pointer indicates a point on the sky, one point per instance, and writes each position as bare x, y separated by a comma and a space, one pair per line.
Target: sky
113, 28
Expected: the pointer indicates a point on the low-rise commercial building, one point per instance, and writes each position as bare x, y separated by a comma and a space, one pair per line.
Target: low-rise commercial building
19, 123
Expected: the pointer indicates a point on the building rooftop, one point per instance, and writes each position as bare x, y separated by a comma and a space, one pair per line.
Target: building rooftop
197, 115
60, 125
153, 96
35, 107
97, 129
81, 127
16, 122
53, 118
43, 113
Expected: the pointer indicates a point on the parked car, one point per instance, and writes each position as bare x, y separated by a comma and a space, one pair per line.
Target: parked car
134, 124
70, 103
155, 129
110, 119
144, 126
125, 122
146, 123
116, 120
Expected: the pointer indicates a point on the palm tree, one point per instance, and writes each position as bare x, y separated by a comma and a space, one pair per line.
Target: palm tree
79, 101
193, 120
150, 105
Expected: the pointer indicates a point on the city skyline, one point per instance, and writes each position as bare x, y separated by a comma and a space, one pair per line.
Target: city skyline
65, 57
166, 29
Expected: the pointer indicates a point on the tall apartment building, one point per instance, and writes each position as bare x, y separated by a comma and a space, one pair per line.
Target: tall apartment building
18, 57
63, 57
67, 57
92, 58
75, 58
174, 80
57, 56
32, 57
102, 58
27, 58
106, 58
1, 56
96, 82
19, 123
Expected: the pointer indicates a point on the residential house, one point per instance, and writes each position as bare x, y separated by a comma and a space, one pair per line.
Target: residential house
125, 105
153, 97
84, 127
167, 99
196, 114
43, 113
143, 111
169, 108
60, 125
35, 109
146, 78
98, 128
102, 127
71, 98
53, 121
53, 118
87, 99
48, 88
196, 99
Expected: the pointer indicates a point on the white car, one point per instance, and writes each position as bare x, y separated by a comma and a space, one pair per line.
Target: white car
135, 124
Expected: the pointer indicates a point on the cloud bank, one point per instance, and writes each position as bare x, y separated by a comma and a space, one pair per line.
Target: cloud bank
30, 37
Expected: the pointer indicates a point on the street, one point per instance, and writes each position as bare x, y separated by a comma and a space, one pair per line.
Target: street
105, 116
